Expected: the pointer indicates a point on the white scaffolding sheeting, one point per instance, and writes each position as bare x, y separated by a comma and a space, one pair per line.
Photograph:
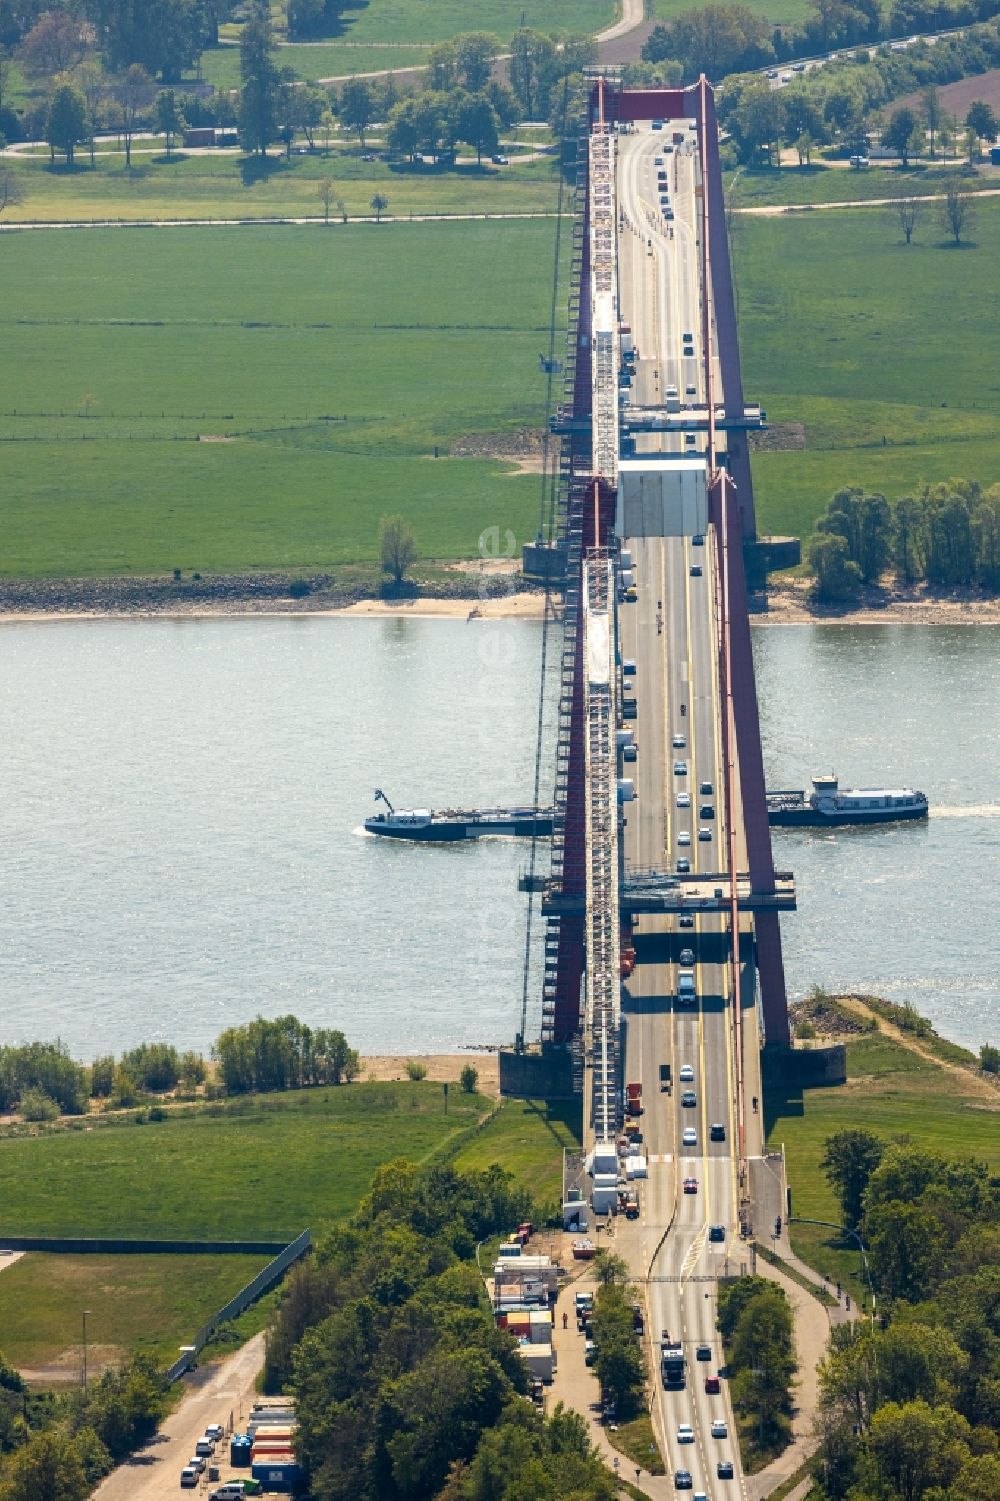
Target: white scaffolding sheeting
603, 1010
604, 303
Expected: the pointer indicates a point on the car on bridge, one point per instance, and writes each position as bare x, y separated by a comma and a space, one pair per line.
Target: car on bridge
684, 837
716, 1131
685, 921
686, 957
690, 1137
703, 1352
687, 1072
689, 1099
683, 799
695, 567
690, 1185
682, 1480
716, 1233
712, 1386
697, 540
685, 1433
724, 1469
705, 788
719, 1428
704, 836
683, 867
679, 742
680, 768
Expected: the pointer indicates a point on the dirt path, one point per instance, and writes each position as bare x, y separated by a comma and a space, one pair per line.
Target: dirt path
216, 1394
770, 210
975, 1085
633, 14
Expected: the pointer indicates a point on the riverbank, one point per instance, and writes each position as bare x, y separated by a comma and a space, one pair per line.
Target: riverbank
469, 596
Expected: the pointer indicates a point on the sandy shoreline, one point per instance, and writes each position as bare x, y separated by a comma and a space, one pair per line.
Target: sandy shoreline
788, 603
382, 1067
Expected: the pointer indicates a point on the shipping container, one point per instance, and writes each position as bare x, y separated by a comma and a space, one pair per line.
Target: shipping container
285, 1477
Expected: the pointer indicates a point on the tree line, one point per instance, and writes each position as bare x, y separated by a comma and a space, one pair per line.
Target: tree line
719, 39
41, 1081
58, 1446
908, 1401
947, 534
755, 1321
843, 103
405, 1388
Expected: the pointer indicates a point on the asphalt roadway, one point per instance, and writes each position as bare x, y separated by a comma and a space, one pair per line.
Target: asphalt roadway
671, 633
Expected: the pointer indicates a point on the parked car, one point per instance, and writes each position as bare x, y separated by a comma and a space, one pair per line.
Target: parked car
499, 160
189, 1478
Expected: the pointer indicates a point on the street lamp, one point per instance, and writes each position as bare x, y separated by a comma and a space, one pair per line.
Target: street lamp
86, 1316
855, 1235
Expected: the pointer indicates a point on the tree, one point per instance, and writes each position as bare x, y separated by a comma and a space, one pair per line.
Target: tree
475, 54
261, 82
713, 39
759, 122
162, 36
326, 193
912, 1447
357, 106
133, 93
397, 547
441, 64
956, 209
477, 122
378, 204
950, 555
468, 1079
531, 55
610, 1269
930, 104
91, 82
46, 1468
906, 212
982, 122
838, 577
11, 187
55, 44
305, 109
902, 134
404, 132
67, 124
849, 1159
169, 119
986, 538
908, 539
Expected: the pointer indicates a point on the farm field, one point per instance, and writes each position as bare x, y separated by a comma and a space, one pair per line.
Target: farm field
332, 364
264, 1165
862, 338
229, 186
892, 1091
778, 12
136, 1304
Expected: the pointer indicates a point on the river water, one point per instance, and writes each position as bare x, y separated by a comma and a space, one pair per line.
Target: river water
181, 802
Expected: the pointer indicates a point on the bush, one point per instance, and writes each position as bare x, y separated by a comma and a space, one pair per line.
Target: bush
299, 588
469, 1078
36, 1105
102, 1077
153, 1065
125, 1092
805, 1031
416, 1071
192, 1069
989, 1059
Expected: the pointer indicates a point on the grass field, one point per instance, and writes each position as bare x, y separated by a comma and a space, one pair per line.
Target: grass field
149, 1304
221, 65
229, 186
433, 20
778, 12
860, 337
334, 361
825, 183
529, 1138
269, 1165
891, 1091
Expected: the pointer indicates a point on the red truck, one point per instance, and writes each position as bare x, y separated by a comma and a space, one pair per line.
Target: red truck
633, 1099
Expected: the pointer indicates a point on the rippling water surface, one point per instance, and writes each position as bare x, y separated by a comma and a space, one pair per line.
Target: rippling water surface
180, 805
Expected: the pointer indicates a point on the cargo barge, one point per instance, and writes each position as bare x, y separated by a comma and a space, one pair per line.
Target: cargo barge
448, 825
828, 805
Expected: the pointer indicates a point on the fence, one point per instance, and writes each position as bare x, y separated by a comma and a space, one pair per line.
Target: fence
242, 1300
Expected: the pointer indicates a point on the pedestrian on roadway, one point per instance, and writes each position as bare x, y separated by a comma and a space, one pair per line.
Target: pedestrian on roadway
565, 1320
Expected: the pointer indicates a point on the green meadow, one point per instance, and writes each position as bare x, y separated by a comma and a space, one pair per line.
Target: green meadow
226, 185
887, 354
330, 365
